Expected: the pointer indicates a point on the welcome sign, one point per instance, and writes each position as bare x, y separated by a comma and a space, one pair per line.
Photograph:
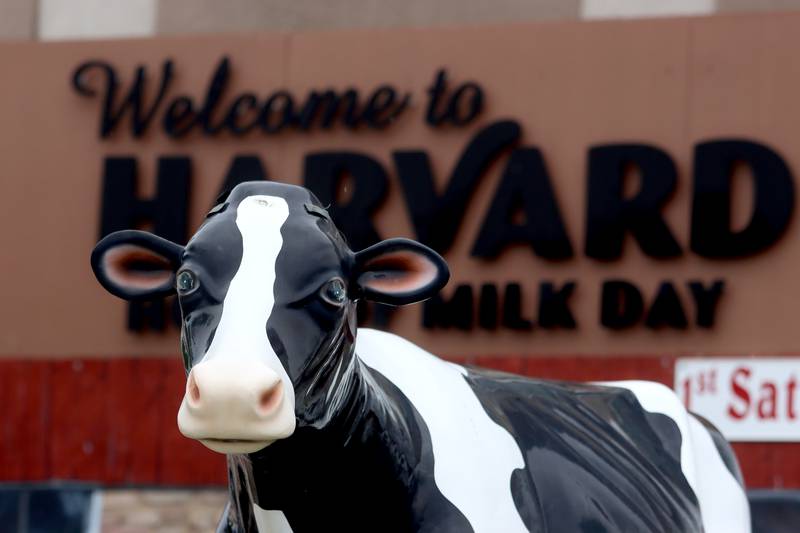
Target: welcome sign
632, 193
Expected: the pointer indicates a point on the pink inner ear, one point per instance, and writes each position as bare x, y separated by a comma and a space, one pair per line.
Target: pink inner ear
136, 267
399, 272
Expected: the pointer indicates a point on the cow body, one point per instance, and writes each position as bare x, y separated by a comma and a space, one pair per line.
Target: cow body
427, 445
331, 429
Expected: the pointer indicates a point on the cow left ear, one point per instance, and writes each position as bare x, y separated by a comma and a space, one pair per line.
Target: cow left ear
136, 265
399, 272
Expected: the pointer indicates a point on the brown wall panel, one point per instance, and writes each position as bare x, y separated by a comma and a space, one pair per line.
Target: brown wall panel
570, 86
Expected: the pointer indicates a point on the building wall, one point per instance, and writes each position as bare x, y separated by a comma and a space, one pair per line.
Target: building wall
54, 403
83, 398
89, 19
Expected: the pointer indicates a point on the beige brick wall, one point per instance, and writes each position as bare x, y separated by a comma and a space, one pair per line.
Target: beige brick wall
92, 19
18, 19
725, 6
165, 511
182, 16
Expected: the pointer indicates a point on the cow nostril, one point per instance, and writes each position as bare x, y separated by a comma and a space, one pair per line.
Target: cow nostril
193, 390
270, 398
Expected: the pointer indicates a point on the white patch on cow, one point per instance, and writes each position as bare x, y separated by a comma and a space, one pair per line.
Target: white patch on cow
723, 502
473, 456
269, 521
242, 329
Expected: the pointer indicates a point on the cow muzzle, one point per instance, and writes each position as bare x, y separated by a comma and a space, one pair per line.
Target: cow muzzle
236, 407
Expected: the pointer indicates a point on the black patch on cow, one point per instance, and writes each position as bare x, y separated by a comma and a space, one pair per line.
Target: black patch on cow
214, 254
668, 431
594, 460
723, 447
313, 253
526, 498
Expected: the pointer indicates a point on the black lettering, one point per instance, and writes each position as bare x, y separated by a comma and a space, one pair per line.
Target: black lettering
705, 301
554, 311
512, 309
243, 168
487, 307
434, 115
324, 171
167, 210
457, 312
610, 216
238, 111
773, 200
621, 304
378, 112
143, 315
436, 218
524, 187
465, 104
328, 106
179, 117
215, 90
667, 309
281, 103
133, 102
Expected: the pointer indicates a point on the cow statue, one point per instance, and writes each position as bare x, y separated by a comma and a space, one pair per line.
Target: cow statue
330, 429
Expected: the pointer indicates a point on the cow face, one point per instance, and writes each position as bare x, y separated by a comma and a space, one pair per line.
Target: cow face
267, 289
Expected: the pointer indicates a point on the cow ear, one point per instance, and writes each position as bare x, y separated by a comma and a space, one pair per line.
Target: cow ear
399, 272
136, 265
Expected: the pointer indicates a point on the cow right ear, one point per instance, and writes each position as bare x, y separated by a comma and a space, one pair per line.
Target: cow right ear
399, 272
136, 265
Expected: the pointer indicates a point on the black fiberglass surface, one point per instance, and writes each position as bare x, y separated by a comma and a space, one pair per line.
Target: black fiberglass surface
370, 469
594, 459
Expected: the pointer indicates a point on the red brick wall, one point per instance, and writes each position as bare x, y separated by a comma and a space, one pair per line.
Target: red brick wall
113, 420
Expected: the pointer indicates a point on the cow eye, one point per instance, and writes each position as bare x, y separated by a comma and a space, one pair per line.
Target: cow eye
334, 292
186, 282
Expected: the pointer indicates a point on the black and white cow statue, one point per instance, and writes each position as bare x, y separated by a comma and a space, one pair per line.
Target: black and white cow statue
329, 429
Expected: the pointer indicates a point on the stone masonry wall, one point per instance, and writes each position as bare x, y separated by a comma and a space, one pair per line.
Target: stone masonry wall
164, 511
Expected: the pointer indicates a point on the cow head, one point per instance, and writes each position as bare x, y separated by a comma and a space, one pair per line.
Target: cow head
267, 289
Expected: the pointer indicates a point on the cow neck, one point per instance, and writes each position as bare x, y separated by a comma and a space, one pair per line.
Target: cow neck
370, 424
369, 411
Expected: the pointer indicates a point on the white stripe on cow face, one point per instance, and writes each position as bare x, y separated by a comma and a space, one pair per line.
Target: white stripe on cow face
239, 397
242, 329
